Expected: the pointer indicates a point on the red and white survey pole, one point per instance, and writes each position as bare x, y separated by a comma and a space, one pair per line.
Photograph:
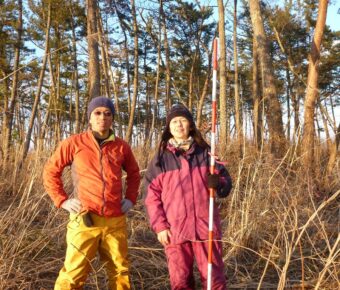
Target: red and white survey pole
212, 164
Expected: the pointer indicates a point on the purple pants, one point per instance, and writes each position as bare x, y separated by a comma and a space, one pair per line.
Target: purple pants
181, 260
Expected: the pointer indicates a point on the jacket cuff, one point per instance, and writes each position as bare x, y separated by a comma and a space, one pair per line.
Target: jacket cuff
162, 227
60, 201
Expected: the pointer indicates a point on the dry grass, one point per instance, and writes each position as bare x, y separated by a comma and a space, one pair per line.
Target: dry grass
281, 229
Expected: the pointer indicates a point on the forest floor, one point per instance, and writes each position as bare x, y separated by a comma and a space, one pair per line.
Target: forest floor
280, 228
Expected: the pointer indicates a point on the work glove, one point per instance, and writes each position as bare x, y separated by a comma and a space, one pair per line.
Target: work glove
126, 205
213, 181
72, 205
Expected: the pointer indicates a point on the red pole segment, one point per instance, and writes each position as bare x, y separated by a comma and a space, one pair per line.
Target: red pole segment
212, 165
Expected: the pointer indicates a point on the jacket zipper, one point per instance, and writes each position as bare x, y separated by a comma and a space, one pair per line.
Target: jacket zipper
187, 158
101, 171
102, 175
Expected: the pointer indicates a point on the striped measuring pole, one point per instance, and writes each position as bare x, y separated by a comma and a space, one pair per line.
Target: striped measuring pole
212, 164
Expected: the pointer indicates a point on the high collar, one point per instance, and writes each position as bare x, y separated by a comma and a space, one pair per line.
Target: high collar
175, 150
184, 144
111, 137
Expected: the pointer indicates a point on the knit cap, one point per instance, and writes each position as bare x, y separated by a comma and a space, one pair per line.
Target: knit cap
178, 110
100, 102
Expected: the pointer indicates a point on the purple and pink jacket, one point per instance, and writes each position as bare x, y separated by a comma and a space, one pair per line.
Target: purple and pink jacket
177, 195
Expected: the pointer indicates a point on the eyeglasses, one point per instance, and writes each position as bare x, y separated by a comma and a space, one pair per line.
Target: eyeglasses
99, 113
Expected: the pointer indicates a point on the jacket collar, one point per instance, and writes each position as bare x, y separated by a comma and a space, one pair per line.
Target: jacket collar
108, 139
175, 150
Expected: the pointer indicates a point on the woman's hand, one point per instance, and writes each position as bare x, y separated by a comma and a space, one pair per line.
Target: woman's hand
164, 237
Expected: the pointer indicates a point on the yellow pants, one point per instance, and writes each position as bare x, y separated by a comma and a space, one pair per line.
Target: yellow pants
108, 236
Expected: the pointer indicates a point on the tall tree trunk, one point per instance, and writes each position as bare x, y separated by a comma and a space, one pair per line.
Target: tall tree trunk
191, 82
223, 79
40, 83
167, 59
105, 44
294, 97
58, 102
192, 70
148, 112
158, 42
324, 114
20, 121
296, 109
126, 55
312, 89
76, 76
51, 101
288, 97
135, 80
103, 55
127, 67
238, 108
205, 88
92, 41
70, 107
9, 114
257, 99
115, 93
273, 107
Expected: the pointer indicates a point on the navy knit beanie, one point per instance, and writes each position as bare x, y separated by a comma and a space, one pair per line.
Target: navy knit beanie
178, 110
100, 102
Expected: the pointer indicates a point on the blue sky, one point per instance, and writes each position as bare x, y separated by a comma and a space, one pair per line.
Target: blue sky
333, 18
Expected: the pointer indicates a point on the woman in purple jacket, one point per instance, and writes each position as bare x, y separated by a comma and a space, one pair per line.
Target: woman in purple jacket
177, 201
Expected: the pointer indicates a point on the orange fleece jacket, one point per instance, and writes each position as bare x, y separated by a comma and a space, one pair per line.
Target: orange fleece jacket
96, 173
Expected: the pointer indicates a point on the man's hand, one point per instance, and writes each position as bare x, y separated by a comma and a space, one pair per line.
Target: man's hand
164, 237
72, 205
126, 205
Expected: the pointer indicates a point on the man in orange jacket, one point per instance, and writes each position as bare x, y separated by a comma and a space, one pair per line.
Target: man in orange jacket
97, 207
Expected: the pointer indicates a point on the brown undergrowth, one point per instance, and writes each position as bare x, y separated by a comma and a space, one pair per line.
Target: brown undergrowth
280, 229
